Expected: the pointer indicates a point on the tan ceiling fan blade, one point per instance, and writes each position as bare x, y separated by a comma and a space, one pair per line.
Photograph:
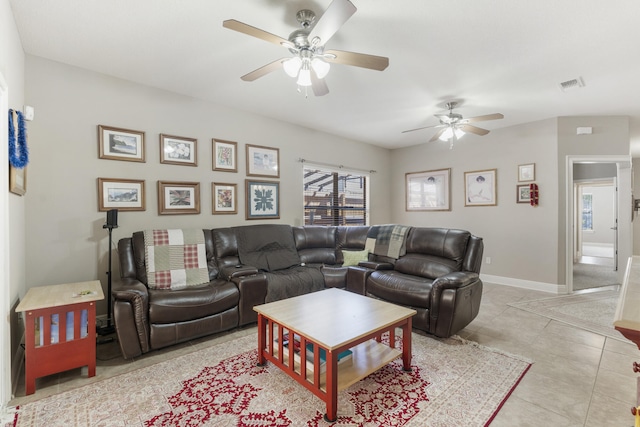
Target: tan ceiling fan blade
338, 12
437, 135
241, 27
264, 70
425, 127
357, 59
494, 116
319, 86
473, 129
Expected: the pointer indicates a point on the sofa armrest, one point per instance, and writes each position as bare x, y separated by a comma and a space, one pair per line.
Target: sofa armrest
456, 282
240, 270
376, 265
357, 278
253, 291
130, 309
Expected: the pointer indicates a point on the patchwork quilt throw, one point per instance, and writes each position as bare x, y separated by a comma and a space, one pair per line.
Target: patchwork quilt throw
387, 240
175, 259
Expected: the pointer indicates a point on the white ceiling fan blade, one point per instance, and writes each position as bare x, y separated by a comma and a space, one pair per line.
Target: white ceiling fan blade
363, 60
494, 116
241, 27
319, 86
437, 135
473, 129
425, 127
338, 12
264, 70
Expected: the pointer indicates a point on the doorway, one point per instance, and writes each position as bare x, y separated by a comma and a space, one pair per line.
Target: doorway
600, 170
595, 261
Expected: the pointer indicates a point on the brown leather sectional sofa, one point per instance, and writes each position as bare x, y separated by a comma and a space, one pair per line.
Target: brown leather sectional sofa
438, 276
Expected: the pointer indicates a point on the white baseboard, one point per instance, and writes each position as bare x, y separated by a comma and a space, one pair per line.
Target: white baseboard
525, 284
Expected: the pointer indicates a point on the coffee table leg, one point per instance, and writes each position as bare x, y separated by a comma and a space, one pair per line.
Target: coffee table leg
262, 331
332, 388
406, 345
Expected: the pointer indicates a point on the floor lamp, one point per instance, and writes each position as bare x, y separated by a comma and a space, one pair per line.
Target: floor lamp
112, 222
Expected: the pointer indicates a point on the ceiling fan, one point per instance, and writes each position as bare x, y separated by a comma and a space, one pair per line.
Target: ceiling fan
453, 126
310, 62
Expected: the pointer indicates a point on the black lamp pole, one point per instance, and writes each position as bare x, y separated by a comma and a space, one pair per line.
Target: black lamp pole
112, 222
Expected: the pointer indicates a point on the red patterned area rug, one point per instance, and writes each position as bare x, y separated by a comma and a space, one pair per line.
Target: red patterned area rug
453, 383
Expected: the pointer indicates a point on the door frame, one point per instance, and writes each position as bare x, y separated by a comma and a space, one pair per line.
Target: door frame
5, 265
623, 204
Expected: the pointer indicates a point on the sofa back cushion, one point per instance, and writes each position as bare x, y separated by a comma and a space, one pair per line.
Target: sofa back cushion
316, 244
433, 252
351, 238
268, 247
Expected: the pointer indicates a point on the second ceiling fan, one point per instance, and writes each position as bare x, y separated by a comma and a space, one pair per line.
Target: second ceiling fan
310, 62
452, 126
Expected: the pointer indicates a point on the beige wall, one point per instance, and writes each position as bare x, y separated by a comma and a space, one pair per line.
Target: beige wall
65, 239
518, 238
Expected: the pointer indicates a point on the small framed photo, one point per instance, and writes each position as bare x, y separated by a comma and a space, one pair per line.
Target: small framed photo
262, 199
120, 144
176, 150
225, 155
524, 194
18, 180
428, 190
121, 194
263, 161
177, 198
224, 197
527, 172
480, 188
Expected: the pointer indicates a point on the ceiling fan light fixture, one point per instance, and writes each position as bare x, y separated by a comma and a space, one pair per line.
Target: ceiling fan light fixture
320, 67
304, 77
292, 66
449, 132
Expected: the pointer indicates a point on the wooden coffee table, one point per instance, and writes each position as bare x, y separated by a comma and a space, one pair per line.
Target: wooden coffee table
332, 320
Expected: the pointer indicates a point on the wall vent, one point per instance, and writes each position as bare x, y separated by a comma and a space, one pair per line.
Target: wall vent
572, 84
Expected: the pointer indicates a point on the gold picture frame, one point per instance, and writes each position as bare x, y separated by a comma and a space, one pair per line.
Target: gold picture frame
178, 198
121, 194
225, 155
177, 150
18, 180
224, 197
121, 144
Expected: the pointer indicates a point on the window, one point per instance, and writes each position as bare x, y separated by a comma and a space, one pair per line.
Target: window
334, 198
587, 212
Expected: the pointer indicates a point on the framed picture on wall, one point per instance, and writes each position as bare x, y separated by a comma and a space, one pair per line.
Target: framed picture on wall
263, 161
176, 150
225, 155
121, 194
224, 197
428, 190
120, 144
17, 180
480, 188
177, 198
524, 193
527, 172
262, 199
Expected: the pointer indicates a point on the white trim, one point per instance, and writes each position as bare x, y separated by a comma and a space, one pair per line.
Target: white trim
524, 284
5, 331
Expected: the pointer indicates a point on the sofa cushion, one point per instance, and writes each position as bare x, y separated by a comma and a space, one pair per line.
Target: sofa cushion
268, 247
428, 266
316, 244
439, 242
170, 306
354, 257
400, 288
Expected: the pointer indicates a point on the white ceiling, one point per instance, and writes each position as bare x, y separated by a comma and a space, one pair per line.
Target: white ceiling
506, 56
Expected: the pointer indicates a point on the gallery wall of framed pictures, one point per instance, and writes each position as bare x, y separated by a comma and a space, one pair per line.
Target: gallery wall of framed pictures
180, 197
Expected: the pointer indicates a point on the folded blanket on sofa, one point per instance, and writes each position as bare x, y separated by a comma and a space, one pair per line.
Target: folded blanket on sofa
268, 247
387, 240
175, 259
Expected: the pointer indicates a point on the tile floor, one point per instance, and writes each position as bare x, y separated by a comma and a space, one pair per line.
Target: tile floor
578, 378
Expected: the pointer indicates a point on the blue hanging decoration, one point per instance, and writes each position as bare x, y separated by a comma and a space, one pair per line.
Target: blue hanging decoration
18, 151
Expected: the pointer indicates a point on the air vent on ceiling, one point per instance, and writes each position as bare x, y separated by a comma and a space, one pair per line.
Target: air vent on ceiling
572, 84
